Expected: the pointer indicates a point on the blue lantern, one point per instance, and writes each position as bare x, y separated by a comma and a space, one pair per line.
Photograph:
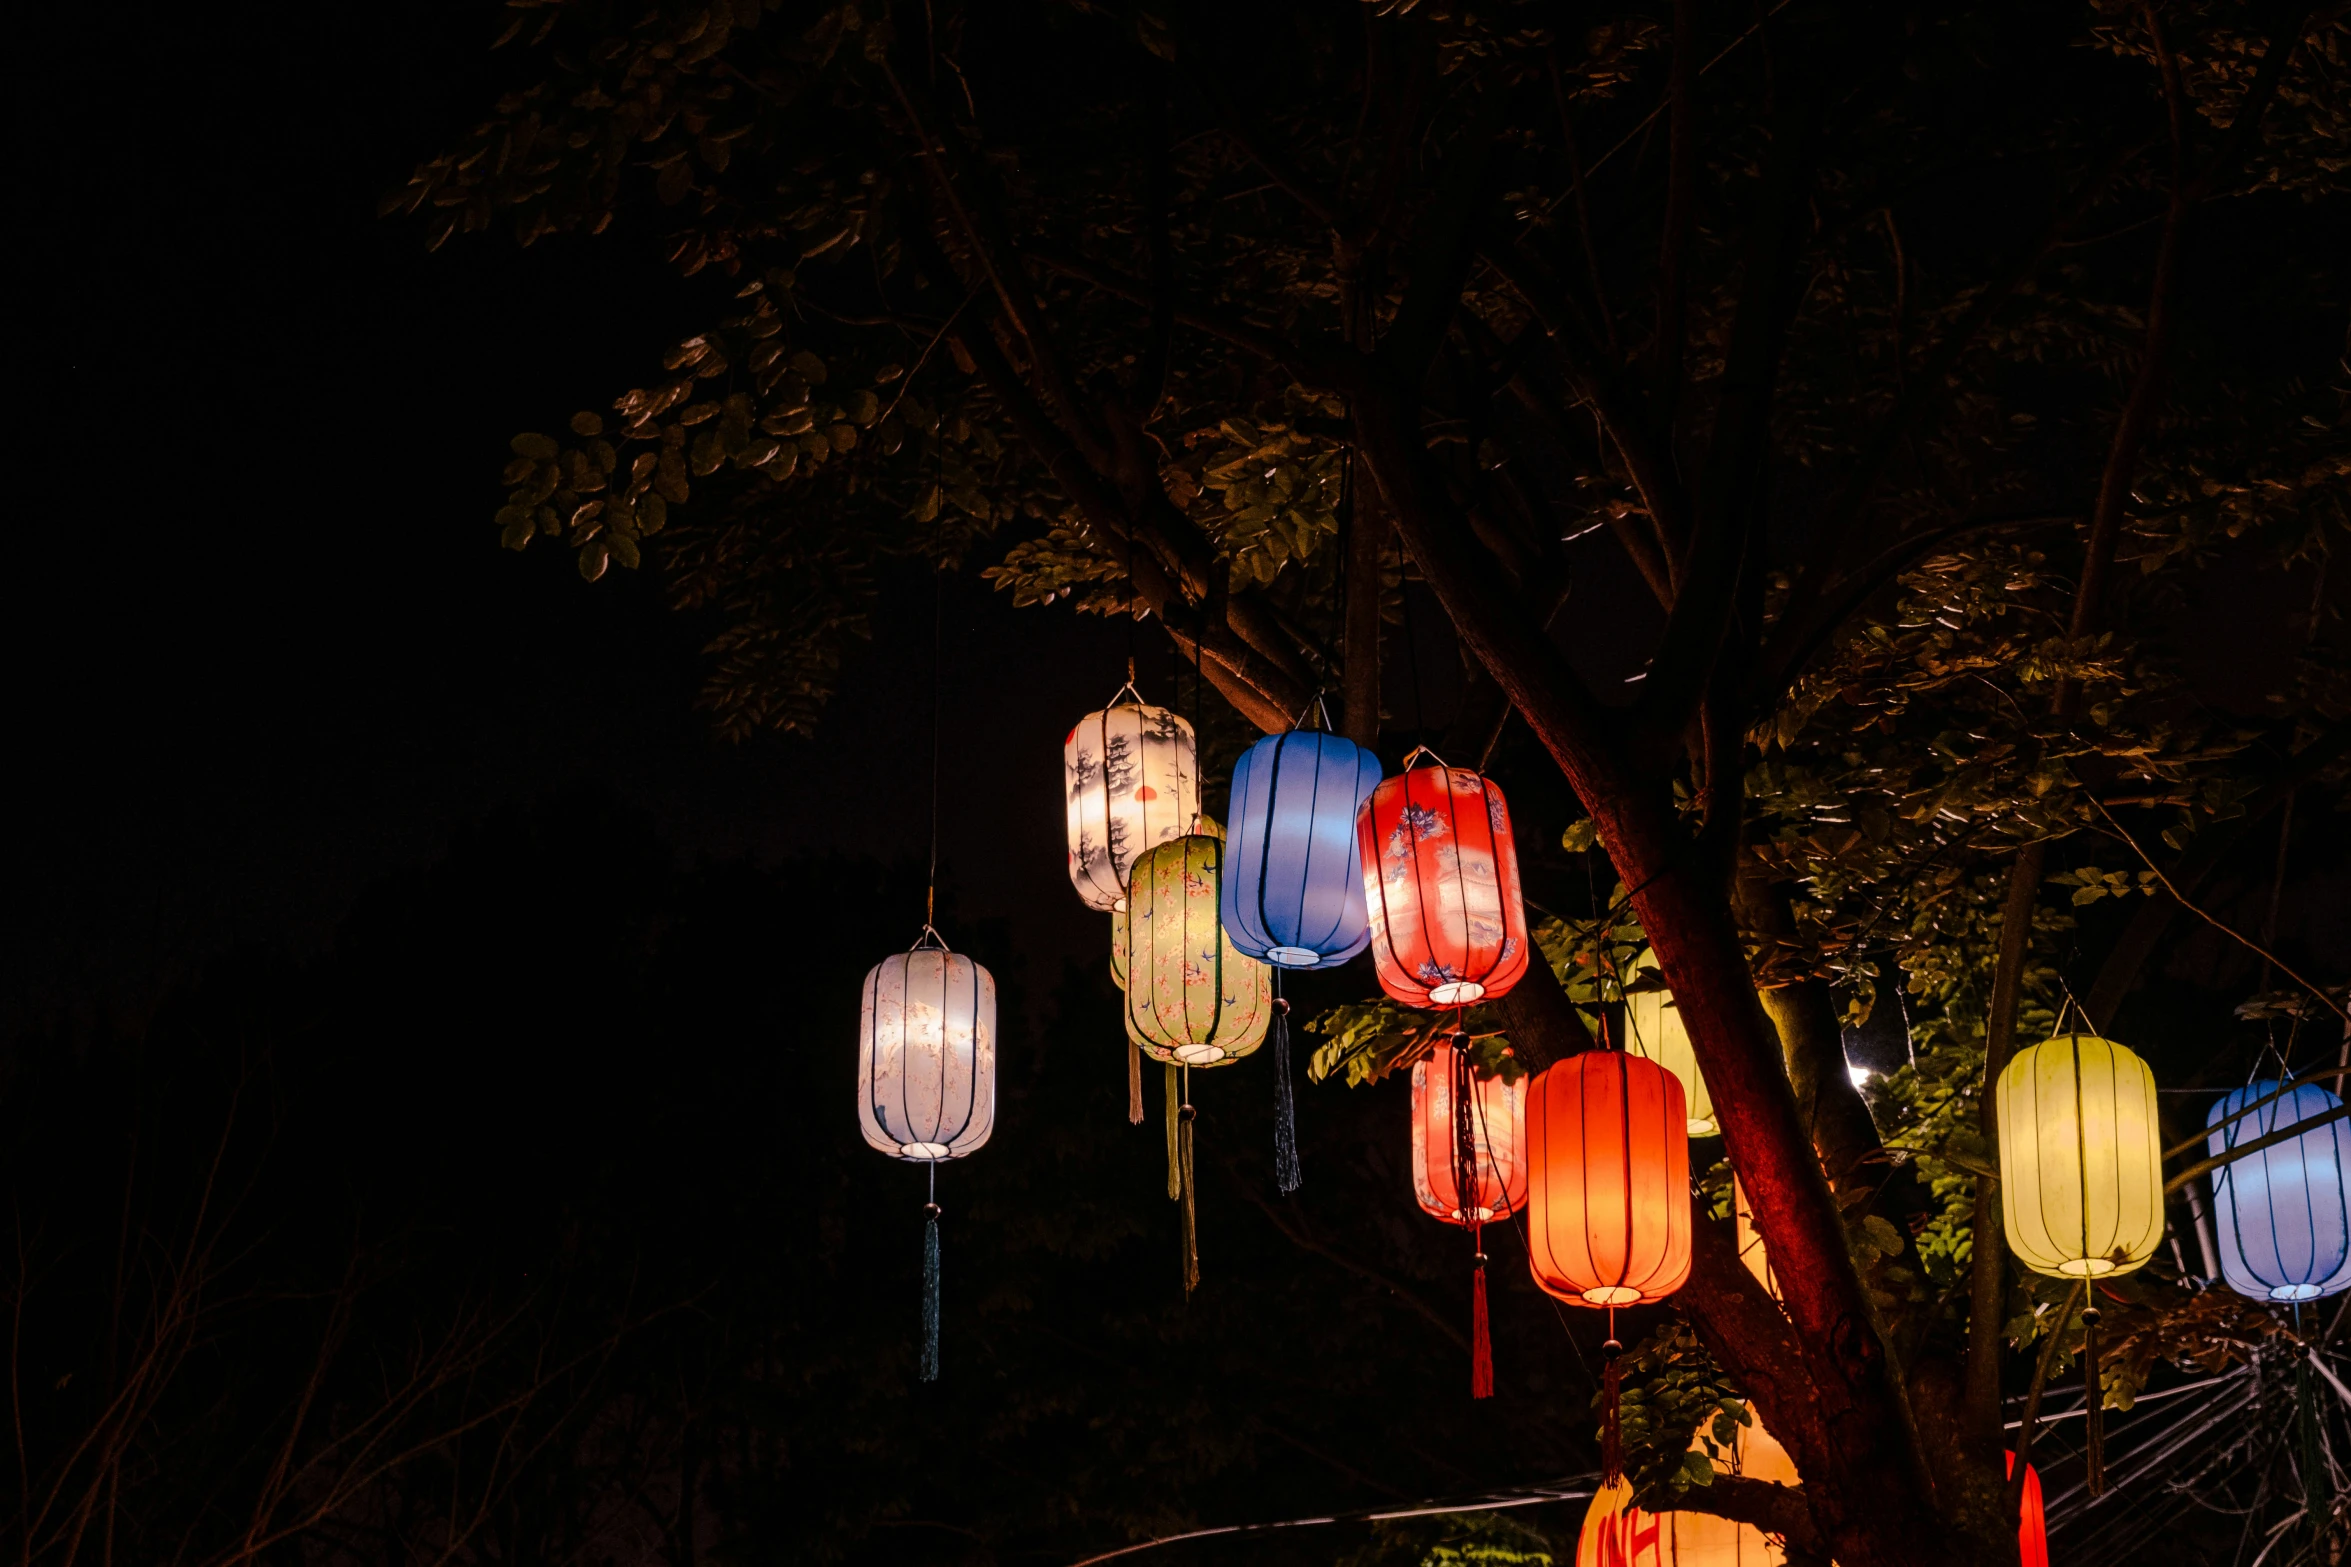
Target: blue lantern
1293, 882
2284, 1212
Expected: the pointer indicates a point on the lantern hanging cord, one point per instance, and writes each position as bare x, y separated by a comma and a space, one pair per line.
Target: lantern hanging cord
1411, 647
930, 897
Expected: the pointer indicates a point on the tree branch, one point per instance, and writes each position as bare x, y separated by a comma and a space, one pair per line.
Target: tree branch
2120, 970
1729, 501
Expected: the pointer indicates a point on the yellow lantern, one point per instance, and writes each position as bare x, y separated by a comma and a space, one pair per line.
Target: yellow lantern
1653, 1028
1618, 1534
2081, 1158
1192, 998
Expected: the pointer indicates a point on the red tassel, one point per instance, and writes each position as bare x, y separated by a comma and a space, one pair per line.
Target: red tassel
1481, 1347
1611, 1437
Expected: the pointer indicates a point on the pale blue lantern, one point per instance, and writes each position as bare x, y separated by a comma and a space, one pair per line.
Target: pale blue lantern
2284, 1212
1293, 881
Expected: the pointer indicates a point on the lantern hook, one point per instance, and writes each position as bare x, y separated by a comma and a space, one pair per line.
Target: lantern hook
929, 940
1315, 706
1419, 751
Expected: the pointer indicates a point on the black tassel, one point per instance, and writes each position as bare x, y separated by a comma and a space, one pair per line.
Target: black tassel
930, 1294
2094, 1407
1286, 1175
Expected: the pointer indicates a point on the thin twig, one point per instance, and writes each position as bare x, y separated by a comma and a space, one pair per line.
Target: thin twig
2250, 945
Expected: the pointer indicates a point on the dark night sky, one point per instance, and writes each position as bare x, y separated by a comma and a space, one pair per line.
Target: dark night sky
269, 650
266, 648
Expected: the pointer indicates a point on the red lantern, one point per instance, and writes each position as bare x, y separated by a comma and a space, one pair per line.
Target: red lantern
1468, 1166
2032, 1529
1440, 877
1608, 1195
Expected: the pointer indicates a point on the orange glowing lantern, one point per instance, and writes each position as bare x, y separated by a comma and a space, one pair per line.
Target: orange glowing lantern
1468, 1167
1618, 1534
1609, 1188
1440, 878
1608, 1195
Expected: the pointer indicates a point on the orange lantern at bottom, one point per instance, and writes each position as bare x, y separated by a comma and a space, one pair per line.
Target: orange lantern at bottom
1608, 1196
1618, 1534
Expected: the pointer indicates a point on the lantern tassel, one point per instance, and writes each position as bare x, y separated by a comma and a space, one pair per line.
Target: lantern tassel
1191, 1221
930, 1293
1175, 1163
2093, 1407
1134, 1084
1481, 1347
1286, 1175
1611, 1433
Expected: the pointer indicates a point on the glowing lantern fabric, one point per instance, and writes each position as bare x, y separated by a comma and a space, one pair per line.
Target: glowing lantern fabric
1491, 1141
1294, 893
2032, 1526
1440, 883
2081, 1158
2285, 1212
926, 1055
1618, 1534
1191, 997
1653, 1028
1608, 1189
1132, 777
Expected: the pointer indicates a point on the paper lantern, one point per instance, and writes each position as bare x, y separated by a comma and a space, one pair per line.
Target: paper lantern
1608, 1189
1468, 1168
926, 1055
1132, 779
1653, 1028
1192, 999
1440, 883
926, 1069
1488, 1143
2081, 1159
1618, 1534
2284, 1212
1294, 895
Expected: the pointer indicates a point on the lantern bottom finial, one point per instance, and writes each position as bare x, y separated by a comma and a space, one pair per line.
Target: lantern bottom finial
928, 1153
1456, 993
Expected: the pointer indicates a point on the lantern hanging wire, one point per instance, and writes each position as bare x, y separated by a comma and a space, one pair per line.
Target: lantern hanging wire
930, 916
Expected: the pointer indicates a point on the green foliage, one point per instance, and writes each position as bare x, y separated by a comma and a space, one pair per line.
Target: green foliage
1673, 1391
